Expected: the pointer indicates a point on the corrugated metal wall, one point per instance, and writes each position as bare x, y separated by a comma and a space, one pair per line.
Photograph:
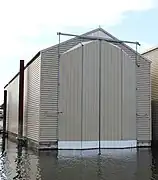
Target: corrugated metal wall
50, 56
143, 93
49, 90
33, 97
12, 110
70, 96
111, 85
128, 98
153, 56
31, 102
49, 81
48, 98
90, 125
143, 102
25, 115
118, 94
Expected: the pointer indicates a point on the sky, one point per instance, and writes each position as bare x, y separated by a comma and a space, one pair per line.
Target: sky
29, 26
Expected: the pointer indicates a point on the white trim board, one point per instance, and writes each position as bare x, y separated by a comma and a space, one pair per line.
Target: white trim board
95, 144
109, 153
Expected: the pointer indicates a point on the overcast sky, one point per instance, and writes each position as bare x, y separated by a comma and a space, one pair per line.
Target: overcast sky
30, 25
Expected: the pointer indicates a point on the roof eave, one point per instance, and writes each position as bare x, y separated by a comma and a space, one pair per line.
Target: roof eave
35, 57
125, 45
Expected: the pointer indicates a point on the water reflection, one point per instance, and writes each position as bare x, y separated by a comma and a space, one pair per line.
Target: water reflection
131, 164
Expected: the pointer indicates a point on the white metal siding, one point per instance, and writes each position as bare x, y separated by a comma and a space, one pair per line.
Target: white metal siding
70, 96
153, 56
49, 91
33, 97
50, 79
49, 83
128, 98
143, 99
111, 115
118, 94
13, 104
143, 102
31, 102
25, 113
90, 125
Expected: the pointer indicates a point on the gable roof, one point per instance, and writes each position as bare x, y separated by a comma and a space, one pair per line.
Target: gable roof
43, 50
125, 45
150, 50
69, 40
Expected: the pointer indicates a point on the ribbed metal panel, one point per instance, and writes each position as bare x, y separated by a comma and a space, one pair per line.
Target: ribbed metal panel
143, 102
70, 96
50, 104
12, 106
25, 117
33, 99
79, 102
49, 82
31, 102
111, 117
118, 95
90, 119
128, 98
49, 91
143, 99
153, 56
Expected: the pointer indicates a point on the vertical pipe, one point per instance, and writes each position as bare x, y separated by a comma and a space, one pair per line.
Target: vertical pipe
21, 99
58, 86
99, 96
4, 121
136, 90
122, 94
82, 94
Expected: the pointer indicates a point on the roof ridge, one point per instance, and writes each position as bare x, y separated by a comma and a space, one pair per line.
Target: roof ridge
84, 34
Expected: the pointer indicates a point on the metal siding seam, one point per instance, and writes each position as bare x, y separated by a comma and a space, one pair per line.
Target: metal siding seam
136, 100
100, 95
121, 93
40, 119
58, 89
82, 59
150, 103
137, 118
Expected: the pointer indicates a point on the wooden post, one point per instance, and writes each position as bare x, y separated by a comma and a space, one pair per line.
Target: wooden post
21, 100
4, 120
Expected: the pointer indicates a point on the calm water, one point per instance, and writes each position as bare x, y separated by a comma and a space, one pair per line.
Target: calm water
126, 164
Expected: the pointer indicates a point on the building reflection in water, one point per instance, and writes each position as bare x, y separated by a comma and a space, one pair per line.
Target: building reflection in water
131, 164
